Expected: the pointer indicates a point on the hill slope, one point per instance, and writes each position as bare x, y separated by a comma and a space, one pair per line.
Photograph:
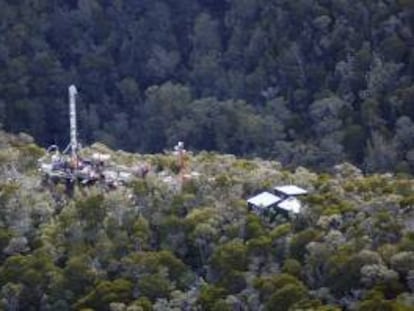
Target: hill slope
154, 246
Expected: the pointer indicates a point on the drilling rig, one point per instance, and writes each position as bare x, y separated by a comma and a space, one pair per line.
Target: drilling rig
73, 92
70, 167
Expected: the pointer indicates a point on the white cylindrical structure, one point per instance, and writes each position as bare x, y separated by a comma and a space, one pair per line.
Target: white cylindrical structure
72, 118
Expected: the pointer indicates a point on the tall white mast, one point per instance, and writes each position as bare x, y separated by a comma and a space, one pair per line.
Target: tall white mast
72, 118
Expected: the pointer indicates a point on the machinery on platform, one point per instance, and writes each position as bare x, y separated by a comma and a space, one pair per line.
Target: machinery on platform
70, 167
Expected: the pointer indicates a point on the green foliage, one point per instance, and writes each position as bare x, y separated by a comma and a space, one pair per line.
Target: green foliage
190, 187
230, 256
5, 236
259, 246
11, 269
349, 267
221, 305
270, 284
140, 266
143, 303
91, 209
407, 201
7, 190
140, 187
254, 227
245, 165
165, 163
79, 275
148, 246
403, 262
407, 242
330, 204
209, 296
375, 301
280, 231
300, 241
285, 297
34, 273
292, 267
29, 154
223, 180
233, 281
154, 286
106, 292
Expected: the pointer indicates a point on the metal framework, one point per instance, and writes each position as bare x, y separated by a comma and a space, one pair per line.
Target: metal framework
72, 167
73, 92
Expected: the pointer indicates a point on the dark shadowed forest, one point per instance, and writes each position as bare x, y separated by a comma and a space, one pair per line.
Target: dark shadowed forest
309, 82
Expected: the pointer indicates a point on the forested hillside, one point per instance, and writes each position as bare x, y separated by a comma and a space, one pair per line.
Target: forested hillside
151, 246
311, 82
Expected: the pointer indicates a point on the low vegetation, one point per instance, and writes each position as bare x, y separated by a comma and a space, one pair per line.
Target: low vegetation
159, 245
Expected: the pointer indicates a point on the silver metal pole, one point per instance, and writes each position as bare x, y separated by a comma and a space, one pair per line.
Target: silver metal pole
72, 118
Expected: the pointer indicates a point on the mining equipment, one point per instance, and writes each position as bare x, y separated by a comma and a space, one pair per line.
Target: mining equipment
182, 159
69, 167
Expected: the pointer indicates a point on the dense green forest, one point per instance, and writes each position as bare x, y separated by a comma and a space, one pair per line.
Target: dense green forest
153, 246
310, 82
